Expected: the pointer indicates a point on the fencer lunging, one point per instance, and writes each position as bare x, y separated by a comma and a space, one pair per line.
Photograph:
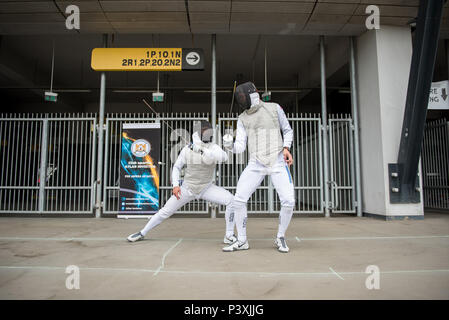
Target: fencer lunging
260, 125
199, 159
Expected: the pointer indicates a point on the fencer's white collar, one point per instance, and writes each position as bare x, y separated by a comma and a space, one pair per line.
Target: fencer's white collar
255, 98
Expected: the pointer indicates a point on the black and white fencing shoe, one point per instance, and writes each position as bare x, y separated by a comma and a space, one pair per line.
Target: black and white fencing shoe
281, 244
135, 237
230, 239
236, 246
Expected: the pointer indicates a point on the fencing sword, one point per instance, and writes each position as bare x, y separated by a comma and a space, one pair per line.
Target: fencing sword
233, 93
166, 122
229, 127
228, 124
156, 113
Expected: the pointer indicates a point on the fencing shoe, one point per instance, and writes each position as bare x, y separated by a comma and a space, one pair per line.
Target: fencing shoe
135, 237
281, 244
230, 239
236, 246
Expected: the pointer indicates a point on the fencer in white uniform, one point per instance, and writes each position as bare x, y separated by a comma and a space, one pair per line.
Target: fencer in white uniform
199, 159
260, 125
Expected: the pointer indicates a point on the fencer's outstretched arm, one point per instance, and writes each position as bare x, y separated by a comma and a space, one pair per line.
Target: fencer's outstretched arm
287, 131
241, 138
177, 167
214, 155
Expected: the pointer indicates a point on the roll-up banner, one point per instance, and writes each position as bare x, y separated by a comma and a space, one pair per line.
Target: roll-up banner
139, 170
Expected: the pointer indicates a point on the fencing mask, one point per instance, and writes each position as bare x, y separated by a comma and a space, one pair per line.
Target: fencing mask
203, 130
246, 95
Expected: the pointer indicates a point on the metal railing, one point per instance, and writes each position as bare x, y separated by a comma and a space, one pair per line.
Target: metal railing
307, 168
65, 147
435, 164
48, 163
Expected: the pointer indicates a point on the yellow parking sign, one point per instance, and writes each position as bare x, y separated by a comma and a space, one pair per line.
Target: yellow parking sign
146, 59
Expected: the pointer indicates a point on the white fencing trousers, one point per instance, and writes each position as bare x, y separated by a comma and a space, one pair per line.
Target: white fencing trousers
212, 193
250, 179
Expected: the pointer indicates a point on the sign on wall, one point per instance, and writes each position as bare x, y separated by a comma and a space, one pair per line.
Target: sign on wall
147, 59
439, 96
139, 169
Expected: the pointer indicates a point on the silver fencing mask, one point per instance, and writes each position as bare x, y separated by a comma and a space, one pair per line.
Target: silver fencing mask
204, 130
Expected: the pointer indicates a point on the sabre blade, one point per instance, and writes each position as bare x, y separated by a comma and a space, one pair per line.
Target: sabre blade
228, 123
157, 113
166, 122
233, 92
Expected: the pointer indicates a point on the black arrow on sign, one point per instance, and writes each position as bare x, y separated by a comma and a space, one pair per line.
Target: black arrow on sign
443, 94
194, 58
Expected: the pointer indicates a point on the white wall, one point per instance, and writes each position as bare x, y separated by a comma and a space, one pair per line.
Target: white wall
373, 190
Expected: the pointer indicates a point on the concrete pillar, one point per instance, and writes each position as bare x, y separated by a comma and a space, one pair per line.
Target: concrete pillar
383, 59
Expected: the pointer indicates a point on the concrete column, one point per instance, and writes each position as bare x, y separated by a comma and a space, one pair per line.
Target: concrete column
383, 59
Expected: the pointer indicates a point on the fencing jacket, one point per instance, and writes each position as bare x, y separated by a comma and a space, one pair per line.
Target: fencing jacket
199, 168
261, 125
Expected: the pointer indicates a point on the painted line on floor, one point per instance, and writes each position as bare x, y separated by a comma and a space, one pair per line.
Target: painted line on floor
81, 268
218, 240
334, 272
165, 256
375, 238
260, 273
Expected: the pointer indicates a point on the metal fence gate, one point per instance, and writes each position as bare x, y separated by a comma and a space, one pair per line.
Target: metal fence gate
65, 147
48, 163
307, 170
435, 164
341, 146
175, 134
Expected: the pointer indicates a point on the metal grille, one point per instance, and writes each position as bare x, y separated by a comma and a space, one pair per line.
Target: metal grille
47, 163
176, 132
341, 164
64, 146
435, 164
20, 155
308, 163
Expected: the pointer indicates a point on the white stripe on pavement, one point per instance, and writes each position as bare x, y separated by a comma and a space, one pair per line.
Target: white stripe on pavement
332, 273
164, 256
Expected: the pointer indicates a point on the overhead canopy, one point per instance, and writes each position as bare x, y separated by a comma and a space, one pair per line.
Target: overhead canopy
305, 17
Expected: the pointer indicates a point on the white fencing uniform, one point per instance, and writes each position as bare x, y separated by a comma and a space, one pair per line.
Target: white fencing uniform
260, 126
198, 184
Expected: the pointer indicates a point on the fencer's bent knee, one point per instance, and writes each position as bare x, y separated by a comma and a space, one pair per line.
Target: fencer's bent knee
164, 214
287, 198
237, 204
239, 198
288, 202
229, 199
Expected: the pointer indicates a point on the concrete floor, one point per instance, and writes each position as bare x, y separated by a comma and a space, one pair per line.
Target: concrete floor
182, 259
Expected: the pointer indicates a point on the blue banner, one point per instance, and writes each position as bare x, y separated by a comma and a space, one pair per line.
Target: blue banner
139, 168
